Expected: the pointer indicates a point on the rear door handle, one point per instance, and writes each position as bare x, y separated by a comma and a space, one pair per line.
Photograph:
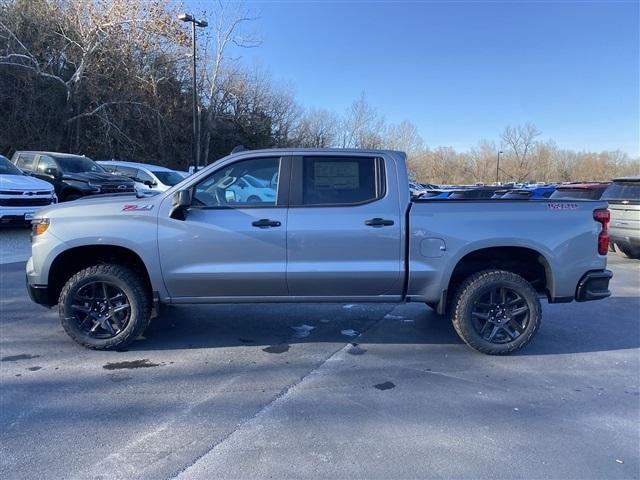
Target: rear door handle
266, 223
378, 222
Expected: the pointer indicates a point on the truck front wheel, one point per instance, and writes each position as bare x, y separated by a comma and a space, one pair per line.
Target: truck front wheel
496, 312
104, 307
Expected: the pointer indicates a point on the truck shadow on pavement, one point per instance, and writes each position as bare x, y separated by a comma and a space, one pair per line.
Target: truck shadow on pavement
574, 328
611, 324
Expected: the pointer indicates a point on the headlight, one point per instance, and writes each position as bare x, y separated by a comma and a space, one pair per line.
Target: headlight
39, 226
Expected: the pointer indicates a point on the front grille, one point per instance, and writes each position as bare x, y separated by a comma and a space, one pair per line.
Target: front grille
20, 192
115, 189
25, 202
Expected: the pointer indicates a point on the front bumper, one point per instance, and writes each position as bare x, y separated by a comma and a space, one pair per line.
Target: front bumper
594, 285
39, 293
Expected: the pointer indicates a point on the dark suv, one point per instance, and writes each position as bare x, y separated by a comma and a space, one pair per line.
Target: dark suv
72, 176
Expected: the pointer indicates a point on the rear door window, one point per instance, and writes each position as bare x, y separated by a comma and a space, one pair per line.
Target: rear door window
25, 161
341, 180
46, 163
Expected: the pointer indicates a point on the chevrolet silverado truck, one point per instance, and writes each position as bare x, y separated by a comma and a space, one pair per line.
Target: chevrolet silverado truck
341, 227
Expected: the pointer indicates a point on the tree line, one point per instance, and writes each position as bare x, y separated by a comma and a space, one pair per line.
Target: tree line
112, 79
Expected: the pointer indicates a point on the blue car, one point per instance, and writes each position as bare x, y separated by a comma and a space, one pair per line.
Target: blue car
528, 193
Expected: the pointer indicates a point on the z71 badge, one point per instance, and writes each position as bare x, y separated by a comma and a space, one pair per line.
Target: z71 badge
562, 206
136, 208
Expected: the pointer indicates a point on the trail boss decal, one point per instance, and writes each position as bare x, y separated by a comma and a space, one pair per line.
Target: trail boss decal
562, 206
136, 208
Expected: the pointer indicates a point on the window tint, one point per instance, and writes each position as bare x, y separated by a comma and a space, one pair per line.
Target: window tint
77, 164
341, 180
629, 191
229, 186
169, 178
578, 193
8, 168
46, 162
25, 161
143, 176
126, 171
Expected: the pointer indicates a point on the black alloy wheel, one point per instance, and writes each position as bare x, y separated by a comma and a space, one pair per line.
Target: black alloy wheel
500, 315
101, 310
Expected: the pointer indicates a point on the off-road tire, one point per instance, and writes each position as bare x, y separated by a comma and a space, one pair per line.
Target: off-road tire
472, 288
630, 252
131, 285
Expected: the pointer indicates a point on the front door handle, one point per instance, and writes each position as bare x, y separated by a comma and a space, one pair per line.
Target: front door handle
266, 223
378, 222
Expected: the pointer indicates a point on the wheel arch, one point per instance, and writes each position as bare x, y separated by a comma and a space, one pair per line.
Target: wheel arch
527, 262
74, 259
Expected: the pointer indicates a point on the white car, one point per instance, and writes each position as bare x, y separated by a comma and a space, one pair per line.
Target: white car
250, 189
21, 195
149, 178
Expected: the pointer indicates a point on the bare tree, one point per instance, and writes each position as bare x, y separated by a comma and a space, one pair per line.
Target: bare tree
519, 143
362, 127
228, 30
403, 136
318, 128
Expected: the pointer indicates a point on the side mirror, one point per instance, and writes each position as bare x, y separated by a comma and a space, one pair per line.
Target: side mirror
52, 172
150, 183
181, 202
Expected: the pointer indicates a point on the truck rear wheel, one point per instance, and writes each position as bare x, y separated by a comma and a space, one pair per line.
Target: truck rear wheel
496, 312
104, 307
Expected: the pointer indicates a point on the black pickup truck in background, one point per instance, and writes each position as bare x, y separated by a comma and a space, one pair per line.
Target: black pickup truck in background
72, 176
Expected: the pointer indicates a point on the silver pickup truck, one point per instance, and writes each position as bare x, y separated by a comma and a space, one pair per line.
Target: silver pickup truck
315, 226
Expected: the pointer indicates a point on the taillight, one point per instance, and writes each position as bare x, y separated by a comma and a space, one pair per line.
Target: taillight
602, 216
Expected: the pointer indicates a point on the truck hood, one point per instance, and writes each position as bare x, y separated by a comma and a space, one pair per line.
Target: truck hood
24, 183
102, 205
98, 178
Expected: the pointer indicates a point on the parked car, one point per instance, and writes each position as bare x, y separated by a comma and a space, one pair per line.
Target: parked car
21, 195
525, 193
437, 194
250, 189
344, 229
623, 196
473, 193
148, 178
580, 191
72, 176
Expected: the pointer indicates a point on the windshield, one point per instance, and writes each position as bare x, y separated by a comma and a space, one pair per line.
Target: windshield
169, 178
8, 168
78, 165
621, 191
578, 193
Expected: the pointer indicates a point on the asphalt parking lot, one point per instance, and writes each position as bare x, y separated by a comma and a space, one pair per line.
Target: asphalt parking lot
252, 391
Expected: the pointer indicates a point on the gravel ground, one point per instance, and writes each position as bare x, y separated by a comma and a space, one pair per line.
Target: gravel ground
250, 391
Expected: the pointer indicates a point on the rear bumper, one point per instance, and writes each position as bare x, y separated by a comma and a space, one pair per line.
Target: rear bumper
594, 285
39, 294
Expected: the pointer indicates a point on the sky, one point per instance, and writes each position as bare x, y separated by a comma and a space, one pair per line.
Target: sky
461, 71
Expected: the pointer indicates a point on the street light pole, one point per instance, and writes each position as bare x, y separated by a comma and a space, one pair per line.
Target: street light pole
498, 167
195, 143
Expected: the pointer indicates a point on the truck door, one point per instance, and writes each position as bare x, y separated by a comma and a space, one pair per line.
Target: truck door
344, 227
228, 245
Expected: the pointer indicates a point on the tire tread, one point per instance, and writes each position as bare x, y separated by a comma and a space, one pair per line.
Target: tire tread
133, 280
463, 295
